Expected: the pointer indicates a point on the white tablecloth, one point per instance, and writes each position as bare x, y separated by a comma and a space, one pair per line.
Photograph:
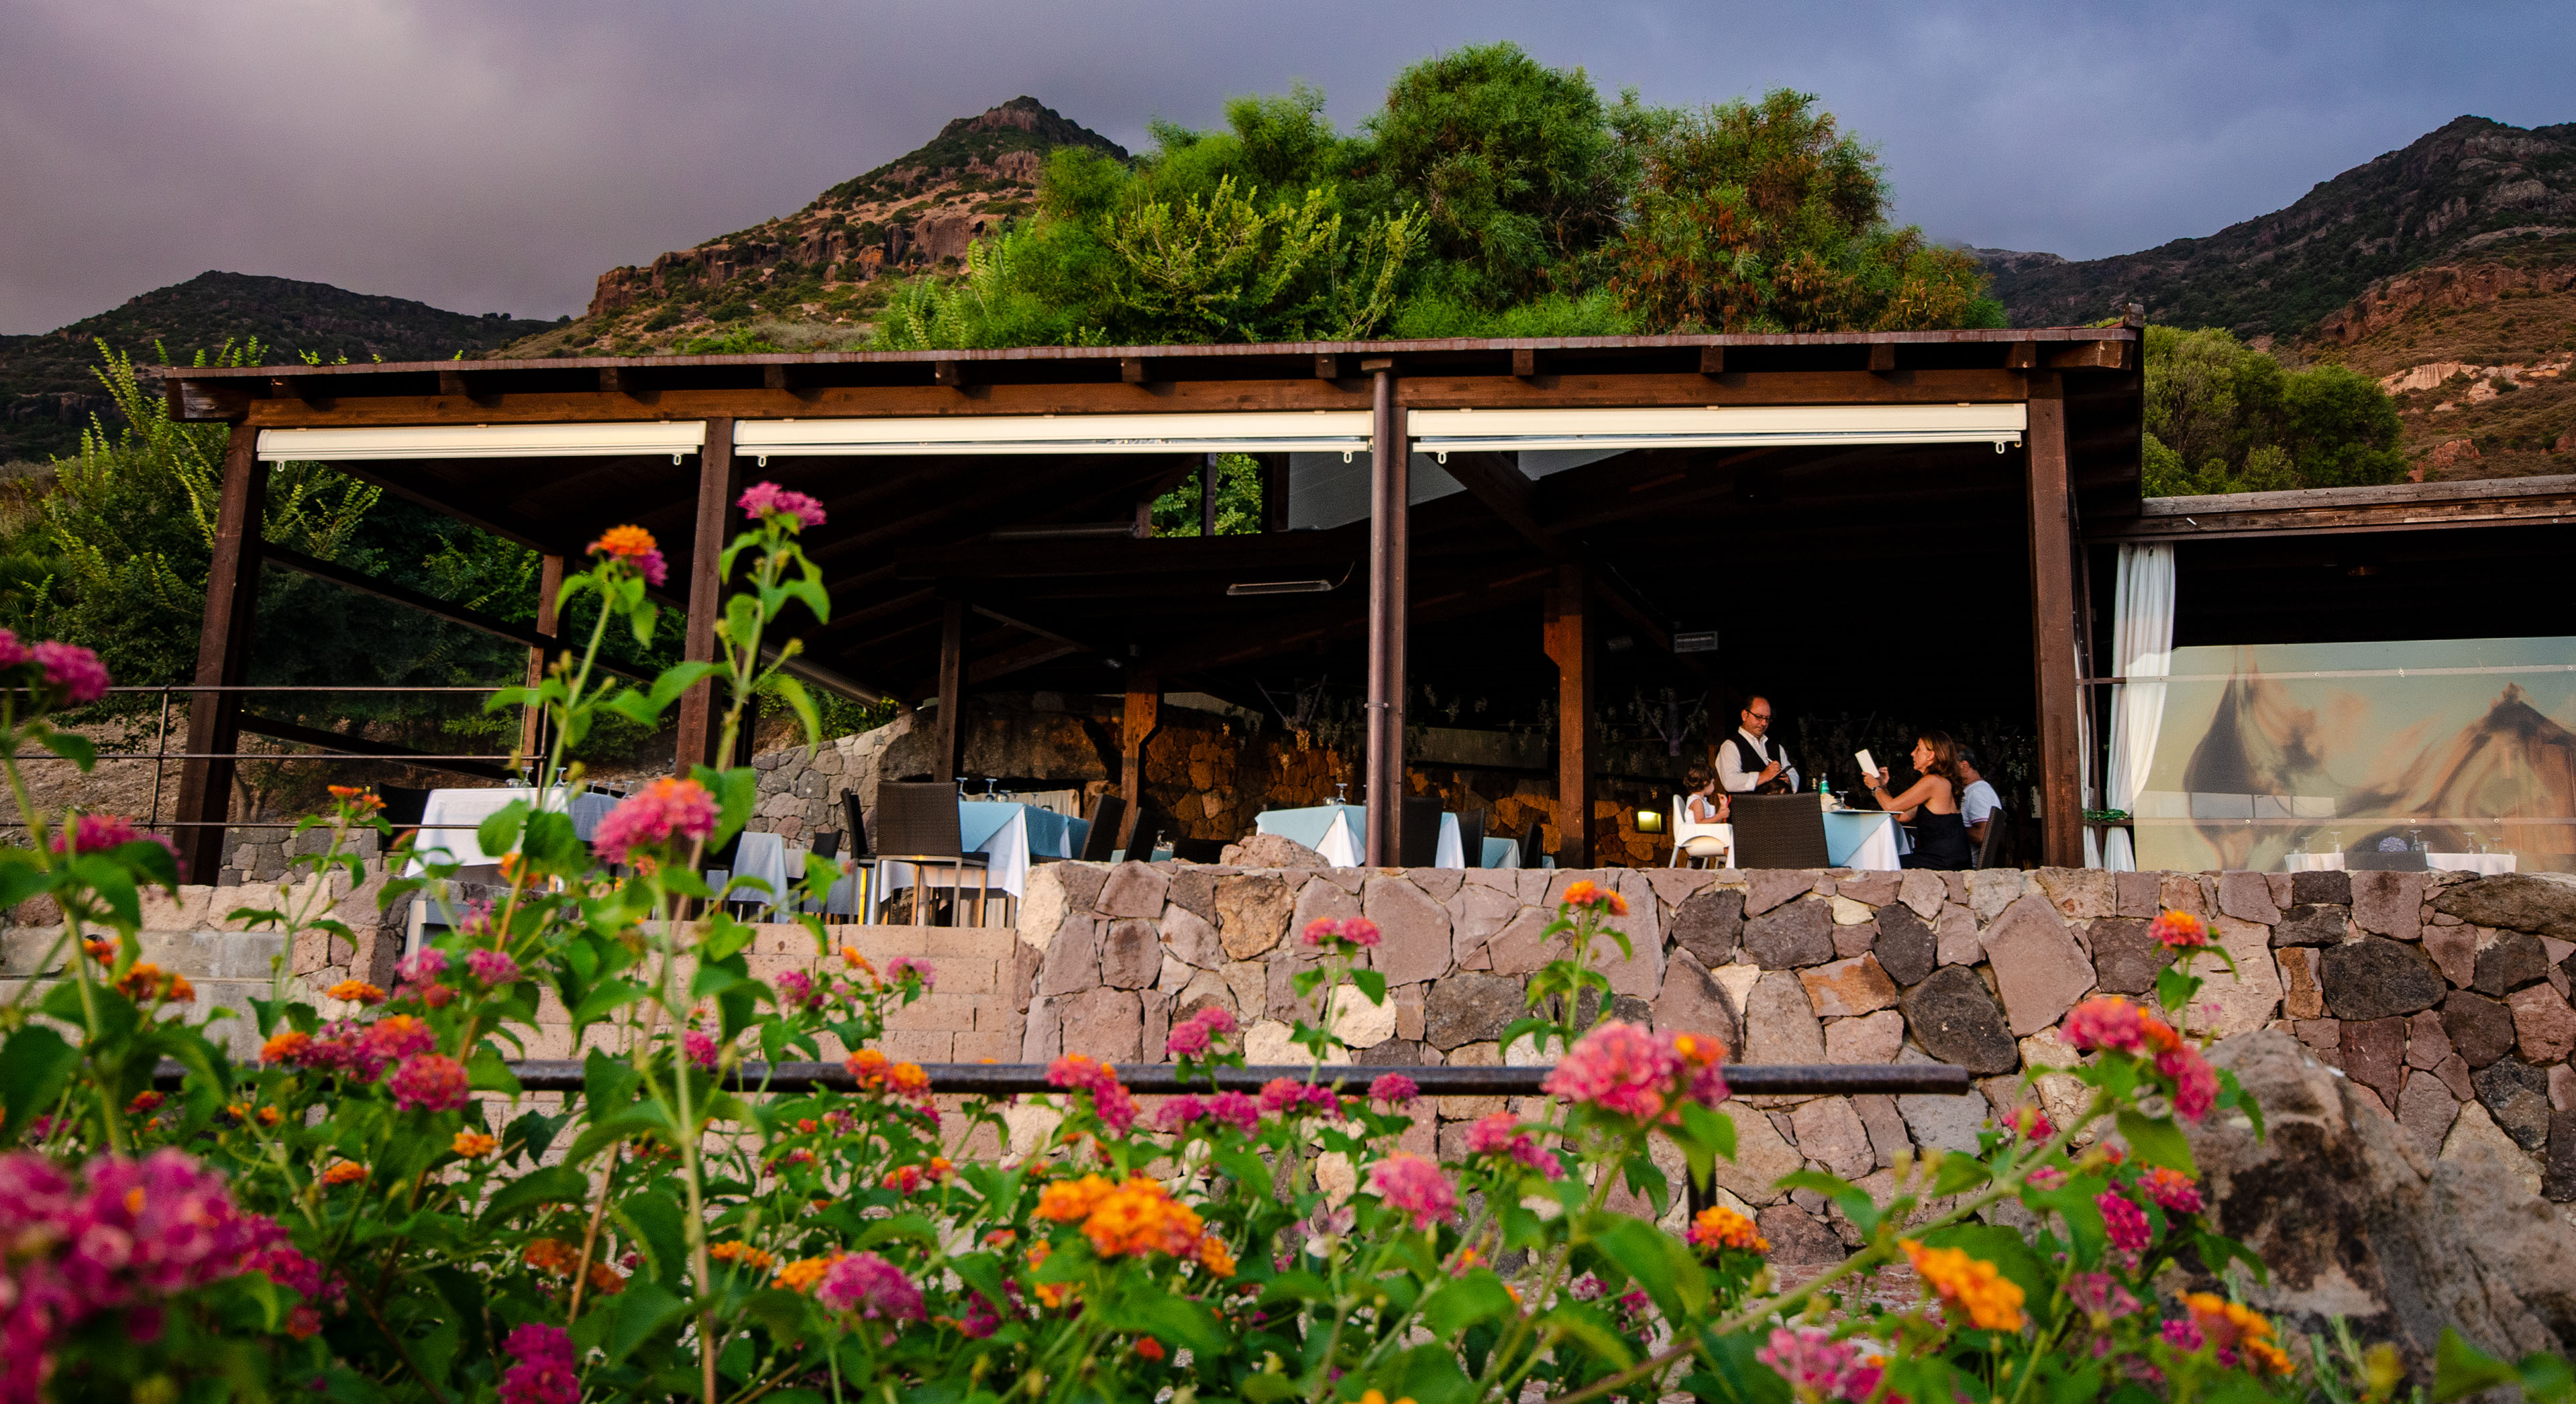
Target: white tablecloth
1866, 839
1007, 833
449, 820
2487, 863
1339, 832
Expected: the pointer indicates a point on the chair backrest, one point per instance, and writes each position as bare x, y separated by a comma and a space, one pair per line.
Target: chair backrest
404, 805
1779, 831
827, 843
1107, 812
1991, 851
1533, 845
918, 819
1471, 837
858, 824
1417, 842
1197, 850
722, 857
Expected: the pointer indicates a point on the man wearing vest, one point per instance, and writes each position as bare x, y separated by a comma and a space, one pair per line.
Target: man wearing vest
1749, 762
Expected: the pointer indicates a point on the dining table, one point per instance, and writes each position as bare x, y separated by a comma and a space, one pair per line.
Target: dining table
450, 820
1339, 833
1869, 840
1010, 834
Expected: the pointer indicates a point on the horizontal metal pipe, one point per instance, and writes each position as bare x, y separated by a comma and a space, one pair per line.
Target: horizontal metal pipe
1006, 1079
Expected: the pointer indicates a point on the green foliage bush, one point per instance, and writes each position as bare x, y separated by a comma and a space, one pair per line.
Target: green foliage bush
2223, 417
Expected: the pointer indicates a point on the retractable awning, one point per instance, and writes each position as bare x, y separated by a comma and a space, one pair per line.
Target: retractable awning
1345, 431
674, 437
1445, 431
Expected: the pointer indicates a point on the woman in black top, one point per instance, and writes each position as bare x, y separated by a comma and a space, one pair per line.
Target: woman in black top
1931, 805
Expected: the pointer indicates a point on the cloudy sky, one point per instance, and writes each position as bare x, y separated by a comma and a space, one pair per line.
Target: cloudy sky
484, 155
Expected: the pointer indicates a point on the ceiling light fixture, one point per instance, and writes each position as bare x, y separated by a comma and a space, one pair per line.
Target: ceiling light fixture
1280, 587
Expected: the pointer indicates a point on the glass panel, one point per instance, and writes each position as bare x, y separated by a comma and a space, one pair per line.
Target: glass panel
2447, 753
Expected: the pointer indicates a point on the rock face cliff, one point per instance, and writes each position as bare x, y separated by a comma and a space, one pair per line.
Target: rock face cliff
812, 268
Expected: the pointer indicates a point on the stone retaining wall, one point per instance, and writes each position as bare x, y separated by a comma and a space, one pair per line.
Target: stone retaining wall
2443, 998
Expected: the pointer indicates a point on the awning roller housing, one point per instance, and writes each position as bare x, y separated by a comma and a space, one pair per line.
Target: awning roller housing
1444, 431
674, 437
1272, 432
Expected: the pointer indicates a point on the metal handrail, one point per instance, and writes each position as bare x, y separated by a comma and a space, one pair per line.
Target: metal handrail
1012, 1079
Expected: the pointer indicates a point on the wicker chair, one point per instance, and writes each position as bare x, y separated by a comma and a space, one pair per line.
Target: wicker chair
1417, 839
917, 824
1991, 852
1533, 845
1779, 831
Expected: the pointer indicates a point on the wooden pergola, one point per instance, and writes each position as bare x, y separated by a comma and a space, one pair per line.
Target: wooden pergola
1909, 508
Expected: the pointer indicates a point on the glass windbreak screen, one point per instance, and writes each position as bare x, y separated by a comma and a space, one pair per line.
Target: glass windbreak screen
2442, 753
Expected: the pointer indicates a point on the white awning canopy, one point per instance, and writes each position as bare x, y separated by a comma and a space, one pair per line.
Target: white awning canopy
1267, 432
1444, 431
676, 438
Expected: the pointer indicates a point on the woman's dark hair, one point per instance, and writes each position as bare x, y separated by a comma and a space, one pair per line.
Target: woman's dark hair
1945, 760
1696, 779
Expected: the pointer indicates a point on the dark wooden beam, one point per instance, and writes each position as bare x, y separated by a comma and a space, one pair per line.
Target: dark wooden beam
795, 380
950, 734
223, 657
315, 736
1389, 600
1137, 723
719, 483
2537, 501
1712, 361
1209, 476
2089, 355
1567, 639
2052, 627
532, 720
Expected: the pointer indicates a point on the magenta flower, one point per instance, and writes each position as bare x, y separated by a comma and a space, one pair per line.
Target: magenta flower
1110, 1100
430, 1082
700, 1049
1234, 1109
1358, 931
2099, 1294
1195, 1035
2106, 1022
91, 833
1394, 1089
654, 817
872, 1287
771, 500
1815, 1364
901, 966
493, 968
71, 670
2172, 1189
1415, 1187
2195, 1082
345, 1048
1288, 1098
421, 967
399, 1036
1627, 1071
796, 990
12, 652
1501, 1134
544, 1372
1179, 1112
2124, 1221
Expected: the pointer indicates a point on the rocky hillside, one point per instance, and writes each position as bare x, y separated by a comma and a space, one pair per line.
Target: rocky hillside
2473, 190
807, 280
47, 392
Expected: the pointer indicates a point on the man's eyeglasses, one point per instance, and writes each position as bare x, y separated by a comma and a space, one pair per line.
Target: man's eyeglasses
1759, 716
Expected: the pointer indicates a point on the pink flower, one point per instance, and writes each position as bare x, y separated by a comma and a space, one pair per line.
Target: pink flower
1415, 1187
1195, 1035
2172, 1189
1501, 1134
1627, 1071
769, 499
430, 1082
1234, 1109
93, 833
399, 1036
1288, 1098
2106, 1022
1179, 1112
2183, 1335
2099, 1294
872, 1287
1324, 931
1110, 1100
2124, 1221
12, 652
1815, 1364
2045, 1177
1394, 1089
668, 809
73, 671
2180, 930
544, 1372
796, 990
902, 966
2195, 1082
493, 968
699, 1048
343, 1047
421, 967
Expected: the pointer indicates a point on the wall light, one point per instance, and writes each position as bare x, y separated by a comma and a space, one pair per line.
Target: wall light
1650, 821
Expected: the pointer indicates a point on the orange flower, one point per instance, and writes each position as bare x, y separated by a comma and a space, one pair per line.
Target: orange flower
357, 797
1721, 1227
941, 1167
2229, 1325
1214, 1256
742, 1253
1149, 1349
868, 1065
144, 1104
179, 991
850, 957
1971, 1286
143, 980
343, 1172
284, 1046
1050, 1294
550, 1255
1583, 893
356, 992
1067, 1201
1699, 1048
802, 1274
623, 541
269, 1116
104, 952
471, 1144
907, 1080
605, 1280
1140, 1217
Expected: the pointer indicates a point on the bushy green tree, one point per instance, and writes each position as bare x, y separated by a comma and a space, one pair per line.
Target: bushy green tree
2223, 417
1769, 217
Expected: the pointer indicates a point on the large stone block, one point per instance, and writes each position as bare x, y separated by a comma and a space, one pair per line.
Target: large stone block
1189, 938
1709, 924
2078, 894
2247, 1001
2332, 885
2388, 904
2517, 1096
2137, 894
1522, 947
2038, 966
1470, 1008
2543, 1024
1131, 957
1956, 1020
1956, 932
1940, 1120
2507, 963
1322, 898
2313, 924
1779, 1024
1766, 888
1134, 890
1762, 1156
1847, 988
2543, 904
1791, 935
2426, 1110
2374, 1055
2301, 996
1924, 892
1907, 950
1476, 914
1872, 1038
1830, 1133
1106, 1024
1991, 890
2454, 951
1692, 1001
2374, 977
1072, 962
2481, 1029
1413, 931
1252, 913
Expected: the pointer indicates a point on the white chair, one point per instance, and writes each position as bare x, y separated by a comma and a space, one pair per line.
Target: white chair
1700, 843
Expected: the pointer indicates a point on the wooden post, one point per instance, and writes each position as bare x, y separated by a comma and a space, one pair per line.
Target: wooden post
223, 657
719, 483
1569, 646
1390, 452
1274, 492
2052, 625
1143, 717
532, 721
952, 689
1209, 476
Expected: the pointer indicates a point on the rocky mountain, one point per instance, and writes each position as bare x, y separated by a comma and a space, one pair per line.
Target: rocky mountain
2446, 270
807, 280
47, 392
2475, 189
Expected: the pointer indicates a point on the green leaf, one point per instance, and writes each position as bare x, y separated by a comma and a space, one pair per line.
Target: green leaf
1713, 1129
1464, 1302
1660, 1263
1959, 1172
486, 1072
2175, 987
1587, 1329
631, 1317
2461, 1369
499, 831
34, 1064
71, 746
555, 1184
2157, 1141
20, 878
1371, 983
802, 704
655, 1219
551, 843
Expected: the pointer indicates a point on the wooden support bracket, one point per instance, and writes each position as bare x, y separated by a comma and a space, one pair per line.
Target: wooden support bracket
1328, 367
1525, 362
949, 373
1712, 360
795, 380
1882, 357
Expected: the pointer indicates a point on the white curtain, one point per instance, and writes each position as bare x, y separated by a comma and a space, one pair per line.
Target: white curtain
2142, 649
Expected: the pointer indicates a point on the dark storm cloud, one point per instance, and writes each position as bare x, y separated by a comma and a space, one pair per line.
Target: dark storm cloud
490, 156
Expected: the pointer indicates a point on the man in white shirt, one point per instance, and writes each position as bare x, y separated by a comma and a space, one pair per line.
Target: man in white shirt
1977, 803
1750, 760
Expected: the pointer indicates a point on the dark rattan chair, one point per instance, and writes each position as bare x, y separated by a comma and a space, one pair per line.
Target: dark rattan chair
1471, 837
1533, 845
1991, 852
917, 824
1779, 831
404, 805
1417, 842
1101, 839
